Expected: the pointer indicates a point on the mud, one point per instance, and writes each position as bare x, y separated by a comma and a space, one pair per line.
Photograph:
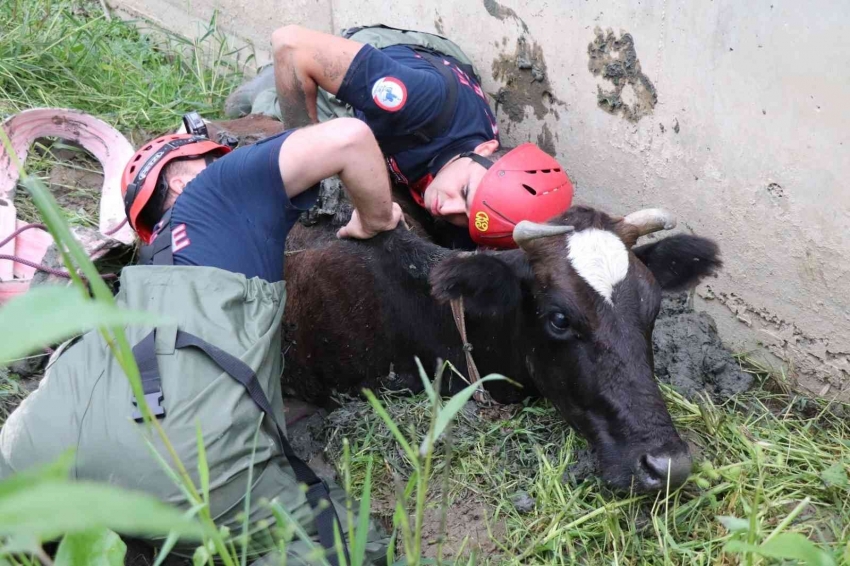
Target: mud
526, 82
244, 131
307, 435
466, 530
689, 354
546, 141
584, 466
523, 502
438, 25
75, 182
503, 12
615, 59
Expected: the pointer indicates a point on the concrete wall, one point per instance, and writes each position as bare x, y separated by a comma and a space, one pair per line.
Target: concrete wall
731, 114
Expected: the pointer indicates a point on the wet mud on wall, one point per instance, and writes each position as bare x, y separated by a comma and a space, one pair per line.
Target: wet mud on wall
615, 60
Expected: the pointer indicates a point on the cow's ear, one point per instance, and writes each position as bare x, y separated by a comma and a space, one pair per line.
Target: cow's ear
488, 285
680, 261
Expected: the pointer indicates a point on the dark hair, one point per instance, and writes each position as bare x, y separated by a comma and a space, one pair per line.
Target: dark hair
155, 207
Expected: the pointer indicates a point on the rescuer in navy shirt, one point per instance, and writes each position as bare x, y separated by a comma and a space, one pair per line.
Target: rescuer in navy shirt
202, 204
398, 90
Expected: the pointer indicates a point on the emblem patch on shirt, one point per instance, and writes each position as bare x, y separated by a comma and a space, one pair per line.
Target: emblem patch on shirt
389, 94
179, 238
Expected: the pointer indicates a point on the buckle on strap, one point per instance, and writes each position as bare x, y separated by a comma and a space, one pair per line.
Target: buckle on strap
319, 489
154, 401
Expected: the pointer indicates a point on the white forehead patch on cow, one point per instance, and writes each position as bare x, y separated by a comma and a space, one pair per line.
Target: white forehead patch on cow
600, 258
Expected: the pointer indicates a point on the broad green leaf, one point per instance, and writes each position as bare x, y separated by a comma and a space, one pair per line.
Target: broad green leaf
93, 548
48, 315
452, 408
787, 546
835, 476
796, 546
734, 524
21, 544
58, 470
52, 507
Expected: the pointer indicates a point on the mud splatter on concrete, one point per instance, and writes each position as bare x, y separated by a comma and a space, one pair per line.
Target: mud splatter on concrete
546, 141
503, 12
817, 366
526, 82
689, 354
615, 59
438, 24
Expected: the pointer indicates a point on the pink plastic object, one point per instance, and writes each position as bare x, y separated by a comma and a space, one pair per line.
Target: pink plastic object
7, 226
29, 244
103, 141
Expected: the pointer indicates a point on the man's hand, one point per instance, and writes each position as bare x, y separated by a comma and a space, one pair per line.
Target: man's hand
356, 228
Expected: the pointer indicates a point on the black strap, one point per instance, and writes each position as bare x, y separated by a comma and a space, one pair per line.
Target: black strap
479, 159
434, 128
158, 252
145, 354
317, 489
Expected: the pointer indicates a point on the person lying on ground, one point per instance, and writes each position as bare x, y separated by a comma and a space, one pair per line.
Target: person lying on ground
430, 117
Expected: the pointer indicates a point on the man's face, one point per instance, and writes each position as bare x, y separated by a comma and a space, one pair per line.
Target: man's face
452, 191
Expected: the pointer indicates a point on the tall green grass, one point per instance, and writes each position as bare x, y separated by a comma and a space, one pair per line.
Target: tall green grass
66, 53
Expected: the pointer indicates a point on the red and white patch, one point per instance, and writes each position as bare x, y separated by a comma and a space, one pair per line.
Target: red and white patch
179, 238
389, 94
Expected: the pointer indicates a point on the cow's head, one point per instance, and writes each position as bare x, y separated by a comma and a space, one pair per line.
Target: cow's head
584, 300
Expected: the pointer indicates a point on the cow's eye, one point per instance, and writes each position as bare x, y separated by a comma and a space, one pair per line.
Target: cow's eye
559, 322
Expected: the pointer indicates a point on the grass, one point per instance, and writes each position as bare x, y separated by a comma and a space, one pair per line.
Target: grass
769, 462
68, 54
762, 456
63, 53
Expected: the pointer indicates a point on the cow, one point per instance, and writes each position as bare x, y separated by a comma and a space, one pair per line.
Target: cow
568, 315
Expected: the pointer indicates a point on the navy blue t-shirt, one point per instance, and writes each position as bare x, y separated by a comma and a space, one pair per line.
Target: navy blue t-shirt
395, 91
235, 215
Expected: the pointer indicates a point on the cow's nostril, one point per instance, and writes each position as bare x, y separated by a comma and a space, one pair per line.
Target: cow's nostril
657, 466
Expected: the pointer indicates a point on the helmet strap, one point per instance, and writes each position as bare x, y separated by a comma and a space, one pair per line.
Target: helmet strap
479, 159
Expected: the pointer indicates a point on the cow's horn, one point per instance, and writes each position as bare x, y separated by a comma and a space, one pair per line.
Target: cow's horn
651, 220
526, 231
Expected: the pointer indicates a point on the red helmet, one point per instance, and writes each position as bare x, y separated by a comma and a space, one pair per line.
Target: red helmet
524, 184
142, 173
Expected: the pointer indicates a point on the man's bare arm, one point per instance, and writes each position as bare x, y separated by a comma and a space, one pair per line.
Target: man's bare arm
305, 59
344, 147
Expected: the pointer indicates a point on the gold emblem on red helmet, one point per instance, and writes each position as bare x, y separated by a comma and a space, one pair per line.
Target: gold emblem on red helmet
482, 221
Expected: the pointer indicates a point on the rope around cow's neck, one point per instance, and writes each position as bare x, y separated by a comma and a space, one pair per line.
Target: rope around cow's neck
481, 395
